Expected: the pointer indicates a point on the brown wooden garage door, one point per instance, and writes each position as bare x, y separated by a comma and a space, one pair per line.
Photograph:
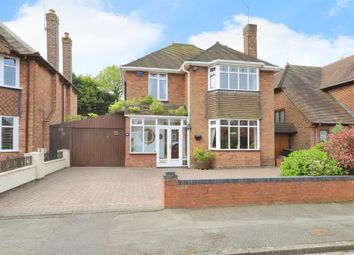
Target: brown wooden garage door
92, 142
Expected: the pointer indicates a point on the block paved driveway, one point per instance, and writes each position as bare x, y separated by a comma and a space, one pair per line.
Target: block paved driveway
103, 189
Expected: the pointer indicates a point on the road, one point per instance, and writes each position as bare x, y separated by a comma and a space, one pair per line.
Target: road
205, 231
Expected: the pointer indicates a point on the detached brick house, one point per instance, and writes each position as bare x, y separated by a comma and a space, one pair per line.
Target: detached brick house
311, 100
229, 98
33, 93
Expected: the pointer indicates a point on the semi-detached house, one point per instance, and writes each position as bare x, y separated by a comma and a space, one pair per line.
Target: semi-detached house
228, 96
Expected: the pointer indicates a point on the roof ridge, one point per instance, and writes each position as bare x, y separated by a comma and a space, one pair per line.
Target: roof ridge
339, 60
11, 33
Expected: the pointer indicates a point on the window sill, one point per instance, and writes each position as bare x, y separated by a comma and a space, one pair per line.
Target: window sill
3, 151
142, 153
10, 87
236, 150
234, 90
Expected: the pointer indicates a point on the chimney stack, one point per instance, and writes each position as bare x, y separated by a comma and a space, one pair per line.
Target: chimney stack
67, 56
53, 38
250, 40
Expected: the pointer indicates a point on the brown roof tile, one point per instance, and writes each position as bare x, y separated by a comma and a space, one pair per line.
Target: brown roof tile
303, 86
285, 128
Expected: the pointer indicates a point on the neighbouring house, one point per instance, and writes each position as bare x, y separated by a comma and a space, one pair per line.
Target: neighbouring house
33, 93
309, 101
228, 96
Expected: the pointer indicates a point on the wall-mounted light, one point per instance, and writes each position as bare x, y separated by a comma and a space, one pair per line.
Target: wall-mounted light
194, 68
198, 137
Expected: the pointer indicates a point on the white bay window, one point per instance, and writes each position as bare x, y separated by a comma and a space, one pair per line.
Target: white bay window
234, 78
234, 134
158, 86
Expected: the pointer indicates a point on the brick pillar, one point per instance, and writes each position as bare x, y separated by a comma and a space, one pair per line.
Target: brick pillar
67, 56
250, 40
52, 38
170, 181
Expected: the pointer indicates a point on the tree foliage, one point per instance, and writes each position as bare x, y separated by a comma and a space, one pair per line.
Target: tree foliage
109, 81
92, 98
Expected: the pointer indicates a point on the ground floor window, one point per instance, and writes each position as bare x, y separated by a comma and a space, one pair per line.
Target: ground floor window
143, 133
234, 134
323, 135
8, 133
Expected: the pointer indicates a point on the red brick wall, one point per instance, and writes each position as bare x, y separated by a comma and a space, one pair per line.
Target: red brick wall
345, 94
305, 131
9, 101
233, 194
133, 159
229, 159
137, 87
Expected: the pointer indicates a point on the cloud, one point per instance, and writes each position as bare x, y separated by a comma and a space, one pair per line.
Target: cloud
100, 38
279, 44
340, 4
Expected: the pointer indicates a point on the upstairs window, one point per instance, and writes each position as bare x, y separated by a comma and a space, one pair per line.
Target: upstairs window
234, 78
279, 116
9, 72
158, 86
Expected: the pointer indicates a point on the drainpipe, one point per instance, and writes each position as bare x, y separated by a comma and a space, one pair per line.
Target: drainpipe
27, 104
189, 114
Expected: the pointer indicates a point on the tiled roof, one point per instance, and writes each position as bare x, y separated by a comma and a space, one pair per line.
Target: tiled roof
219, 51
285, 128
9, 41
303, 86
339, 72
173, 56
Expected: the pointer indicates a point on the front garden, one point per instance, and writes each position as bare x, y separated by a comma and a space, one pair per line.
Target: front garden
334, 157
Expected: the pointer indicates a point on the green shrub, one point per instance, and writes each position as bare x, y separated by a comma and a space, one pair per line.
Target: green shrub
91, 115
147, 100
156, 107
134, 109
336, 129
180, 111
69, 118
118, 106
312, 162
202, 155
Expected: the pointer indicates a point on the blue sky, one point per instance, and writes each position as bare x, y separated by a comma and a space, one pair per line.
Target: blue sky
201, 22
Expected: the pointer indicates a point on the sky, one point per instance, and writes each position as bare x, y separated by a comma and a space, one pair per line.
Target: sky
115, 32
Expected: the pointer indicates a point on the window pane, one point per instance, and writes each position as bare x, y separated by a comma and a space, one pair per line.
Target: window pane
10, 62
224, 122
233, 122
153, 75
223, 68
163, 144
213, 138
212, 81
185, 147
149, 139
136, 139
224, 137
243, 70
233, 81
281, 117
224, 80
253, 123
233, 137
7, 121
162, 122
323, 135
9, 76
233, 69
137, 121
153, 88
243, 122
163, 89
253, 82
253, 138
243, 81
243, 138
252, 70
213, 122
175, 122
212, 69
150, 122
174, 144
7, 138
162, 76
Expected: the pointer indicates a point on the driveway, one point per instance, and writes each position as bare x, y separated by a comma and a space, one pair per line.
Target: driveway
104, 189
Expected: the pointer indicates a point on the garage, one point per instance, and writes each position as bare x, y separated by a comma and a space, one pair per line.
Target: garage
98, 141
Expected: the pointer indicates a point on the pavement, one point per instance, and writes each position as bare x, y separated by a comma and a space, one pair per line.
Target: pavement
234, 230
105, 189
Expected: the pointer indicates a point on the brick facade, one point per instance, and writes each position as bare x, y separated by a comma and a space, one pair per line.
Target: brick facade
345, 95
46, 104
211, 193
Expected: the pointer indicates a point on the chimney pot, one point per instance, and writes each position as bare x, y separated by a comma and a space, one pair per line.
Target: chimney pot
250, 40
52, 11
66, 35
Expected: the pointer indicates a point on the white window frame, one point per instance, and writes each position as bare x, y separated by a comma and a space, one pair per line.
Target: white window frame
217, 125
158, 85
15, 134
217, 76
2, 72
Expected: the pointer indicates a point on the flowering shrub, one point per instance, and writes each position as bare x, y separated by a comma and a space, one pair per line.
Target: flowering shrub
340, 146
311, 162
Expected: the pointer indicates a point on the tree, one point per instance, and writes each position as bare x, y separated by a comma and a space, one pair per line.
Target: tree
109, 81
92, 99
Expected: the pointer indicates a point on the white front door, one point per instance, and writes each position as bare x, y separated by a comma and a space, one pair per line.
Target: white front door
169, 151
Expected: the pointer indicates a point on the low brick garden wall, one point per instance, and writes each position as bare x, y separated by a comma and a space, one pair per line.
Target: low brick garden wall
252, 191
